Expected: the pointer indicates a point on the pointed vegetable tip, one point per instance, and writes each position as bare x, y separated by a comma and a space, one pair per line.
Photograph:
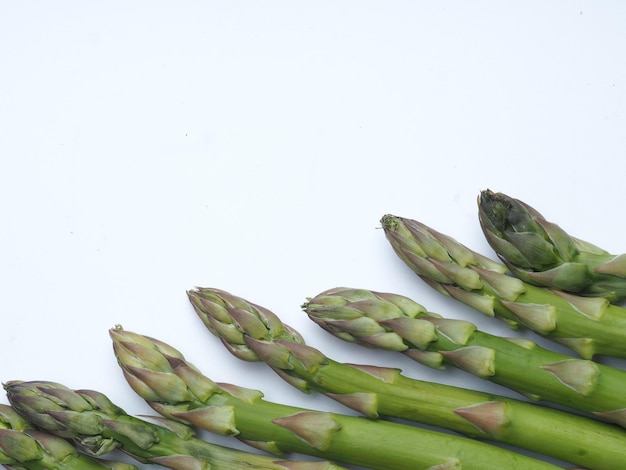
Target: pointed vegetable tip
374, 319
233, 319
542, 253
74, 414
434, 256
39, 401
156, 371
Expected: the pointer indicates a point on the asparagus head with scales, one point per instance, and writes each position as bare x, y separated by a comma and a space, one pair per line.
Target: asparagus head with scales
178, 390
588, 325
542, 253
254, 333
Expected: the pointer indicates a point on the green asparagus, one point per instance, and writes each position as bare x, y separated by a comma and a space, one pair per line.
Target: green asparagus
100, 426
176, 389
542, 253
254, 333
398, 323
588, 325
23, 447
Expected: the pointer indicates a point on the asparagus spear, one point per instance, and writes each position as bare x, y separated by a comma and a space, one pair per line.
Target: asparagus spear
176, 389
588, 325
542, 253
254, 333
23, 447
397, 323
100, 426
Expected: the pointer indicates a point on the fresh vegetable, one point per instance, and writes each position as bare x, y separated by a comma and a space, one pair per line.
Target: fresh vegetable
397, 323
23, 447
254, 333
542, 253
588, 325
97, 424
176, 389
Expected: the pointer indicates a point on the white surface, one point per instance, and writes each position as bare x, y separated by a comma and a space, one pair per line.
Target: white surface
150, 147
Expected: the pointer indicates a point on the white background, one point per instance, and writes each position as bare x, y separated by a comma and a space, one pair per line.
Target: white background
150, 147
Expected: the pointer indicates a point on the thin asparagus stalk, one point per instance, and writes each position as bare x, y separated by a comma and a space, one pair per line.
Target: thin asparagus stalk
254, 333
176, 389
397, 323
542, 253
588, 325
100, 426
23, 447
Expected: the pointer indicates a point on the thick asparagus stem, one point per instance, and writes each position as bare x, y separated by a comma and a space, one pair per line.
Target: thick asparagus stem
176, 389
542, 253
397, 323
587, 325
23, 447
254, 333
94, 422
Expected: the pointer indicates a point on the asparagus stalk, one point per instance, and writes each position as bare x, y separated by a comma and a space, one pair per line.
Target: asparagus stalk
397, 323
100, 426
23, 447
542, 253
254, 333
588, 325
176, 389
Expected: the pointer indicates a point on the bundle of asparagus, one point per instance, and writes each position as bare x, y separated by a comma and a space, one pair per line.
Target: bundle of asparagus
588, 325
176, 389
556, 285
254, 333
